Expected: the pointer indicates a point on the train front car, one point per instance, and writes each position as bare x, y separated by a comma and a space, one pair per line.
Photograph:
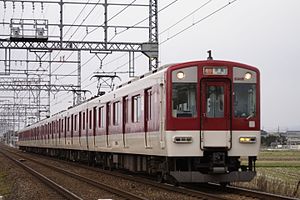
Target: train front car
212, 121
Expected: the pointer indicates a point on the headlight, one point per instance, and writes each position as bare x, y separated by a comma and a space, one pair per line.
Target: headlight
248, 76
180, 75
247, 139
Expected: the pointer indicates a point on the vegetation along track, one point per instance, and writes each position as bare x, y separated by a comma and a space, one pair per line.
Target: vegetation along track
242, 192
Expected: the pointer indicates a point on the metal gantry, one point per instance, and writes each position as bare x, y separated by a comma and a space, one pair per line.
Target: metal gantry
27, 84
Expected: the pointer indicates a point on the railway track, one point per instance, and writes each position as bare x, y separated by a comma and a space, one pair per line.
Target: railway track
192, 191
67, 193
181, 193
56, 187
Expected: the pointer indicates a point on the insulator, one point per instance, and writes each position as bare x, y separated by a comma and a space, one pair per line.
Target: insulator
14, 6
87, 30
22, 6
42, 7
33, 6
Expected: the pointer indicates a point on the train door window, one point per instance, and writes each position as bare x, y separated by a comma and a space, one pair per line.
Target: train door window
125, 109
90, 119
244, 100
39, 132
65, 129
184, 100
75, 123
108, 114
215, 101
83, 121
59, 127
136, 108
116, 113
72, 124
101, 117
68, 124
80, 123
94, 120
62, 126
149, 104
49, 130
53, 130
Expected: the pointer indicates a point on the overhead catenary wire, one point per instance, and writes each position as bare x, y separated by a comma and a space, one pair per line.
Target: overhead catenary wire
94, 29
197, 22
185, 17
181, 31
165, 7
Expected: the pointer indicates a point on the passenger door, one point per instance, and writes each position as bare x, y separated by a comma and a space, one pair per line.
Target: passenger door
215, 113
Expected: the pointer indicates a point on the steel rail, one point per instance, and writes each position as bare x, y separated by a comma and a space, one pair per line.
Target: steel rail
113, 190
180, 190
258, 194
58, 188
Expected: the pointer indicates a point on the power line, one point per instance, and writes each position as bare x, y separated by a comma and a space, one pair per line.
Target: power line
88, 77
197, 22
138, 23
95, 28
185, 17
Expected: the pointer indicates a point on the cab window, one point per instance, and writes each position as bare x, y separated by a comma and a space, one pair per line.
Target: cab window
244, 100
184, 100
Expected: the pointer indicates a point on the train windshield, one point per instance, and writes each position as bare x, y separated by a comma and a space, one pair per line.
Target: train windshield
244, 100
184, 100
215, 101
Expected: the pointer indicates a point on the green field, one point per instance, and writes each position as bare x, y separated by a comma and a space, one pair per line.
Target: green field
277, 172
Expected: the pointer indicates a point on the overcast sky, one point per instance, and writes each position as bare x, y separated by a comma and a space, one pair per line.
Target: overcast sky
265, 34
261, 33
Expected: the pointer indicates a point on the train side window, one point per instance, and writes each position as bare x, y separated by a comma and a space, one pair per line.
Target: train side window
244, 103
136, 108
116, 113
101, 117
184, 100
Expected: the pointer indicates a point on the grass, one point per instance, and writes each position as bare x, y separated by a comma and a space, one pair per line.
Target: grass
278, 172
4, 187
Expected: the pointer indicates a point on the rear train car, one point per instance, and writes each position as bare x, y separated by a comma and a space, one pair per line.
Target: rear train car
186, 122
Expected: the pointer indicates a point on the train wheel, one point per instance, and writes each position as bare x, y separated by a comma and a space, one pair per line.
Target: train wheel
171, 180
160, 178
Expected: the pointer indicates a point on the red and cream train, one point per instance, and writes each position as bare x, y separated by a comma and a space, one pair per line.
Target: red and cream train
189, 122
